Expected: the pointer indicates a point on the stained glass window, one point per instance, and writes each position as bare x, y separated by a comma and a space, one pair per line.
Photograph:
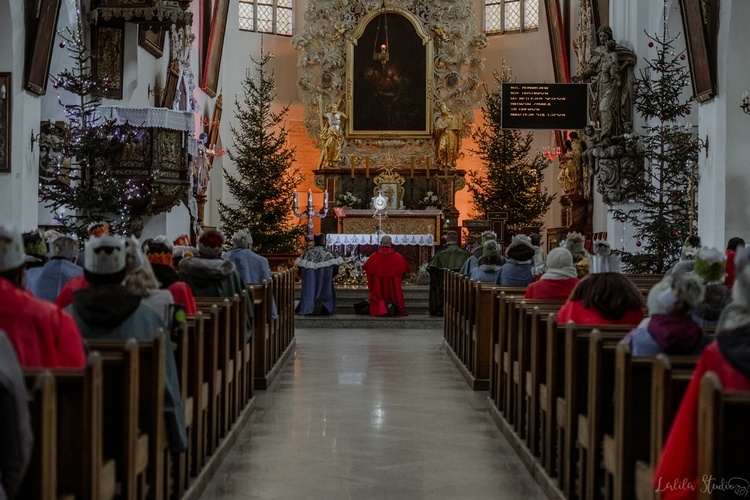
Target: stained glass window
502, 16
266, 16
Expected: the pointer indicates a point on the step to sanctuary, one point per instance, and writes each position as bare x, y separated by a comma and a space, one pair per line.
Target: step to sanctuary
416, 300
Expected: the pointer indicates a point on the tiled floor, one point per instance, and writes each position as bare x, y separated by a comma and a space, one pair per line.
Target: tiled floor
362, 414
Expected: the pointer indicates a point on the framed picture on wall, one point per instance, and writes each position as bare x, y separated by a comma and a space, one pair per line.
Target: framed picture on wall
170, 86
108, 42
152, 41
41, 45
698, 50
212, 63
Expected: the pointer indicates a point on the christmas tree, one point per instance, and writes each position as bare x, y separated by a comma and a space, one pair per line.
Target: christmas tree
266, 176
664, 215
511, 181
83, 187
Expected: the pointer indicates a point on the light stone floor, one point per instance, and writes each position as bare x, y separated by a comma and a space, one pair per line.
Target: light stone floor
367, 414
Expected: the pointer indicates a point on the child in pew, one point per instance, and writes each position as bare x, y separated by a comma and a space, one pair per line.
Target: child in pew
42, 334
604, 296
140, 280
710, 266
670, 328
15, 422
107, 310
489, 264
159, 254
728, 356
558, 281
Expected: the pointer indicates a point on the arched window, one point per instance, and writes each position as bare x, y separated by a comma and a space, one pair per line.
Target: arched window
501, 16
266, 16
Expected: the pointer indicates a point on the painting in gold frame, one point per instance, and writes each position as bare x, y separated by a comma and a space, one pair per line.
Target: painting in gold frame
390, 98
108, 40
212, 62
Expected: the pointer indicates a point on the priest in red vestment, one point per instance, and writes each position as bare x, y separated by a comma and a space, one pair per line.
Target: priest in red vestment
385, 269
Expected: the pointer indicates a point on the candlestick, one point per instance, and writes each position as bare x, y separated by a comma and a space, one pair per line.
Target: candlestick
351, 162
311, 213
427, 165
411, 171
367, 167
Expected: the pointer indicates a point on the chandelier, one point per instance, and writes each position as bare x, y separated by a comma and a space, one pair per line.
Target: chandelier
381, 46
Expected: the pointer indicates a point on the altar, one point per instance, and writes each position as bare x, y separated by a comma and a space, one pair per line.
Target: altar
401, 222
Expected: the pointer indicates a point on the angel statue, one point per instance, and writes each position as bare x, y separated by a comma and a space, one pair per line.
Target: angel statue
331, 135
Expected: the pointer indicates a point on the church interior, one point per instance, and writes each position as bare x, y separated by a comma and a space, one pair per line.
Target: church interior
619, 121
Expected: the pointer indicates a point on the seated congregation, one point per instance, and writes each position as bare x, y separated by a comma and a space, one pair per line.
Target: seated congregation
600, 379
132, 371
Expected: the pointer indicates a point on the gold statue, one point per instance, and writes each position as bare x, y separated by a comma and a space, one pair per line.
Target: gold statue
448, 137
570, 178
331, 135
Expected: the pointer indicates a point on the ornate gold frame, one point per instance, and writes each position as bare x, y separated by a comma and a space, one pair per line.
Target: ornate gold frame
390, 180
352, 41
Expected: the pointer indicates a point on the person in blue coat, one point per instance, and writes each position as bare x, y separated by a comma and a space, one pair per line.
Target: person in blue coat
519, 270
107, 310
253, 268
46, 282
318, 266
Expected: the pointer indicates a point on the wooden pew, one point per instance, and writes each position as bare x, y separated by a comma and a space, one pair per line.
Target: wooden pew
212, 378
670, 378
81, 470
528, 312
150, 418
221, 325
124, 440
723, 435
567, 403
40, 480
273, 339
198, 390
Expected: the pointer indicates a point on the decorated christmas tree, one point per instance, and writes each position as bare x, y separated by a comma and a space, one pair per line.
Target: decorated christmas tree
665, 213
511, 179
266, 177
82, 185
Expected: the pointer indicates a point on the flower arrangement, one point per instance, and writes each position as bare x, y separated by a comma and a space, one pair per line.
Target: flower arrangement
348, 199
430, 199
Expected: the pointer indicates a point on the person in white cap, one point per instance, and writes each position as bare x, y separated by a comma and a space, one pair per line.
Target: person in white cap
47, 281
107, 310
43, 335
558, 280
710, 266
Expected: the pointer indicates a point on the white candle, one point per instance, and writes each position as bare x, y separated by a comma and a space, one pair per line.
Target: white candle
325, 199
309, 197
295, 200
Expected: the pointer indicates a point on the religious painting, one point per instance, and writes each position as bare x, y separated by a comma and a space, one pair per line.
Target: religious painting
107, 66
5, 93
212, 62
170, 86
389, 76
44, 27
698, 49
152, 41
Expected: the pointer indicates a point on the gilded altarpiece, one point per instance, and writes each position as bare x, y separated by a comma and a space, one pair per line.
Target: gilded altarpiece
403, 64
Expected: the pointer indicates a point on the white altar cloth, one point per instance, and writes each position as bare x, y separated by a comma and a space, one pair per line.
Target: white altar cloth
422, 240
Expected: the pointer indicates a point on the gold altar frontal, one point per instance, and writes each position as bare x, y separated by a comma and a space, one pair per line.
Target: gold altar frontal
417, 222
427, 221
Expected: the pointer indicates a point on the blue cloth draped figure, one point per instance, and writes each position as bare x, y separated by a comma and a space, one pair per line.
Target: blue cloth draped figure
318, 266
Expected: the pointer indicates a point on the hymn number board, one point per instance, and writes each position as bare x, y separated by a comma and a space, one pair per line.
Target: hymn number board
546, 106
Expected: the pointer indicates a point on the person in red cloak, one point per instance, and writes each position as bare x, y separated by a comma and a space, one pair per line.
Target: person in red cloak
385, 269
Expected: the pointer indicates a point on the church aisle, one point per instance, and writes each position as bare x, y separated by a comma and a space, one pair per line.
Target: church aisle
362, 414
